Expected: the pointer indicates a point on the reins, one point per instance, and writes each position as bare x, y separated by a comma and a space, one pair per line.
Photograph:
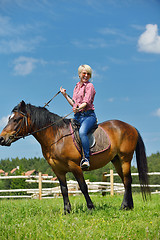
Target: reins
46, 104
41, 129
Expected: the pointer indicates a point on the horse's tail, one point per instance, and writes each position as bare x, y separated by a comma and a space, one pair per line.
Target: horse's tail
142, 167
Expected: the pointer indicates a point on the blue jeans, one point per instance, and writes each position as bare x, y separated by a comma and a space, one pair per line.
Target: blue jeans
87, 121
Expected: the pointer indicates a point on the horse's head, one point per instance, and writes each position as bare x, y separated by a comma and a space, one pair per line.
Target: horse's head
16, 126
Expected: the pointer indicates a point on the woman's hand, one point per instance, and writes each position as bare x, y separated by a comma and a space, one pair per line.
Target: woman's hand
69, 99
81, 107
63, 91
75, 109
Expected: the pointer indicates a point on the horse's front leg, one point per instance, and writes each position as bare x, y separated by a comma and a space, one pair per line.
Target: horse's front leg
64, 190
77, 171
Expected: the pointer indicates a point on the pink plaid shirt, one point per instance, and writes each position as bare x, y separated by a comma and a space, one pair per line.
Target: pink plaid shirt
84, 93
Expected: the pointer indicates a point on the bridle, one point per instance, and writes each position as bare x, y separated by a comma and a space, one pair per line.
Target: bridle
19, 127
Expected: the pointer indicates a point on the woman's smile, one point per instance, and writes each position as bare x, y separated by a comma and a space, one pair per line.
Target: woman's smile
85, 76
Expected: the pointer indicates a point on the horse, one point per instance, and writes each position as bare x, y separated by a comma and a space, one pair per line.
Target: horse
54, 135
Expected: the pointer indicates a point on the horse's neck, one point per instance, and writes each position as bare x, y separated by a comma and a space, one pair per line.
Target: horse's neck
41, 119
46, 126
45, 137
51, 136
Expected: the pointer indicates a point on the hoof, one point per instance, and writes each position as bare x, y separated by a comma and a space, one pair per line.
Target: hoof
67, 209
90, 207
125, 208
67, 212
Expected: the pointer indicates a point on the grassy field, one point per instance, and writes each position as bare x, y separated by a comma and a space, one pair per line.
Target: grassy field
34, 219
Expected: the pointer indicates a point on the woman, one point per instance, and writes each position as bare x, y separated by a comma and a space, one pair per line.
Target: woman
83, 108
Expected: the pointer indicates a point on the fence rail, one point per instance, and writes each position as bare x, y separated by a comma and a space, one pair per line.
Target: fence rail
93, 187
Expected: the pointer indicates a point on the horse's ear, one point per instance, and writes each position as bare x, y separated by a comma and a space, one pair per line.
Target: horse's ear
22, 106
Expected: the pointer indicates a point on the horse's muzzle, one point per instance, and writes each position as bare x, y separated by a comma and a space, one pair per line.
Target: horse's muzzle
3, 142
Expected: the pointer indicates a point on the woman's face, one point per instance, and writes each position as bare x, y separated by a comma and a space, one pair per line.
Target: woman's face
84, 76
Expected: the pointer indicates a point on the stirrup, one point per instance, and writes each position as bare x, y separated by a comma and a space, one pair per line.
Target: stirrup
84, 164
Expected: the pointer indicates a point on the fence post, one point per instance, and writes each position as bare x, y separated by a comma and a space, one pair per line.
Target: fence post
40, 185
111, 181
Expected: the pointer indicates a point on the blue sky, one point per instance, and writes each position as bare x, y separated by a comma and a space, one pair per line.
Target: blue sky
42, 43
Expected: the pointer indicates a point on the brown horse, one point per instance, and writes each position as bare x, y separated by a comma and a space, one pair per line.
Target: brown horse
53, 134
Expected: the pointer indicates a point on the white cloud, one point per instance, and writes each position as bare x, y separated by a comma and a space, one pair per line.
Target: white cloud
24, 65
15, 38
123, 99
6, 28
117, 61
18, 45
137, 59
137, 27
111, 99
157, 112
149, 41
117, 37
90, 43
108, 31
10, 29
120, 36
3, 121
14, 46
105, 68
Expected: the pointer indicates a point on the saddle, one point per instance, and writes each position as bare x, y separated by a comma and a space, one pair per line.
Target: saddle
98, 139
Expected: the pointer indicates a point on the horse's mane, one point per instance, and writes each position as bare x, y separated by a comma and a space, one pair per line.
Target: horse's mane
41, 117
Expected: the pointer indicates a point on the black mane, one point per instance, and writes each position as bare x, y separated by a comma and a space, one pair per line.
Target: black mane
41, 117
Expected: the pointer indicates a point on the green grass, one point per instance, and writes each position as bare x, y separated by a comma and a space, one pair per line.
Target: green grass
34, 219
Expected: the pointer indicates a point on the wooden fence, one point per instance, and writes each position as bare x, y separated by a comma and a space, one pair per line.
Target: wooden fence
73, 188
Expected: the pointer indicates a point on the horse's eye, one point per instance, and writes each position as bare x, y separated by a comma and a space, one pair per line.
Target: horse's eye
17, 119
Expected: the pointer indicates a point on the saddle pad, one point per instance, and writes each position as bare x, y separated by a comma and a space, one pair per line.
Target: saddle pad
102, 141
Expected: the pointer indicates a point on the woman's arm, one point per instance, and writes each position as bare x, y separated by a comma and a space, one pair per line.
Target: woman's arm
63, 91
77, 109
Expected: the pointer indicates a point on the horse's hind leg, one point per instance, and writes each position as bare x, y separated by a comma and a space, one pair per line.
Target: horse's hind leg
122, 167
83, 186
127, 200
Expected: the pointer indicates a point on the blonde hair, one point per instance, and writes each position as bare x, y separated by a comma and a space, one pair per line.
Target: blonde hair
86, 67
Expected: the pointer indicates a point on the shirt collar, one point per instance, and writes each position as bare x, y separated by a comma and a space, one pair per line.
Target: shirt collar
84, 84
